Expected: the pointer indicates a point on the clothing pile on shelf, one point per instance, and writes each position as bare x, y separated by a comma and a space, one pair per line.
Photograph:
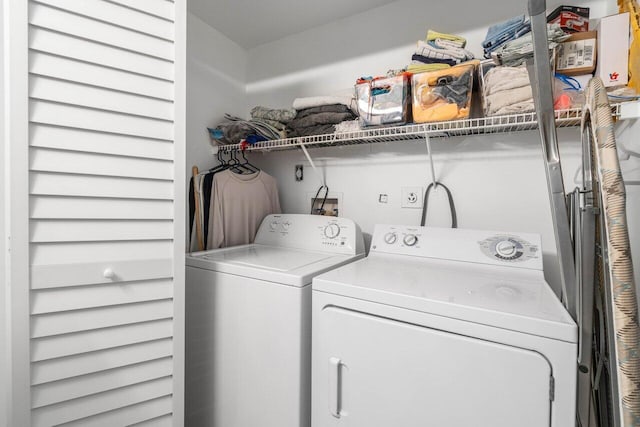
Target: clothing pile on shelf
265, 125
516, 51
319, 115
439, 51
278, 118
504, 32
231, 206
507, 90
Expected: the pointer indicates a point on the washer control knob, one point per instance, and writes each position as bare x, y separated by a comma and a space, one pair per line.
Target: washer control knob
390, 238
410, 239
273, 225
286, 225
506, 248
332, 230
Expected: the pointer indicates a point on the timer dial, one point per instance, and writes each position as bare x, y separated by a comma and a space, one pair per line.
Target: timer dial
390, 238
410, 239
332, 231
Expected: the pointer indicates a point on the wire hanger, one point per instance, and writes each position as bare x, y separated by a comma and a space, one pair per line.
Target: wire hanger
434, 185
248, 164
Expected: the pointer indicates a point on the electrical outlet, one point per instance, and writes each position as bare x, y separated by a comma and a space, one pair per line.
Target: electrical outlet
412, 197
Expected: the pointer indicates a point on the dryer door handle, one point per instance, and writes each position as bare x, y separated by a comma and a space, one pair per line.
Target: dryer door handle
335, 386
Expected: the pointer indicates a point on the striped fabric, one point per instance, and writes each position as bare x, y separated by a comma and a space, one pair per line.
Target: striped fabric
619, 273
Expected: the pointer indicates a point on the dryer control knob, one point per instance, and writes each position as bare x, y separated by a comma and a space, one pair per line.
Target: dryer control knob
332, 231
273, 225
410, 239
506, 248
390, 238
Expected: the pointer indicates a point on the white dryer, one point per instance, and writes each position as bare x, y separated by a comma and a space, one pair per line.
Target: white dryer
442, 327
248, 322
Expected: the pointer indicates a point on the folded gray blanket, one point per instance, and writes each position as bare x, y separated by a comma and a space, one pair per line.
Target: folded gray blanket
334, 108
311, 130
320, 119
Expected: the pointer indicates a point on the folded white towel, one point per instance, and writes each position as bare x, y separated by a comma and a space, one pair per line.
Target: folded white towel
505, 78
499, 100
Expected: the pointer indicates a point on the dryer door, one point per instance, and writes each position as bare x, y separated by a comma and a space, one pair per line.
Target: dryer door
375, 372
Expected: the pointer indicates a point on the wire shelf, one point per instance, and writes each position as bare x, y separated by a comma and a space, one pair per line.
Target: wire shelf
480, 126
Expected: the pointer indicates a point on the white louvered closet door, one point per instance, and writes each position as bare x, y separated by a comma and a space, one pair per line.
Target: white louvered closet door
102, 206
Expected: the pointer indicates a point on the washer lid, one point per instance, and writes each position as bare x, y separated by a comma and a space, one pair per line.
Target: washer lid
514, 299
271, 263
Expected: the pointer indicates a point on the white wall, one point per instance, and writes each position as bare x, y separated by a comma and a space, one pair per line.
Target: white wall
498, 181
4, 351
216, 79
330, 58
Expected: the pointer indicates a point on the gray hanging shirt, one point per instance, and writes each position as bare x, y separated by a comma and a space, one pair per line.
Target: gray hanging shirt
239, 203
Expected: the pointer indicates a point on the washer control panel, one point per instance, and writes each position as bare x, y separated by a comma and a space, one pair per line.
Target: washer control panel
311, 232
483, 247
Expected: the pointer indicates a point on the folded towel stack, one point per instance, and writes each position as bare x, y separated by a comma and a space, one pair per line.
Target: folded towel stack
501, 33
318, 117
507, 90
439, 51
515, 52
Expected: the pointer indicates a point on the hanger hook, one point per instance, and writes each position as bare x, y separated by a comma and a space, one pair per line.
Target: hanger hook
433, 170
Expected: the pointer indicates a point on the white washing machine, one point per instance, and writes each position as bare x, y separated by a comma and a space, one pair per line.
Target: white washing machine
248, 322
442, 327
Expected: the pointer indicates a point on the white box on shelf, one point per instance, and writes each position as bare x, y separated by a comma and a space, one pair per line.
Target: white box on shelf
613, 49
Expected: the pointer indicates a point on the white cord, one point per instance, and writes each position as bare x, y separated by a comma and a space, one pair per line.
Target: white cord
315, 169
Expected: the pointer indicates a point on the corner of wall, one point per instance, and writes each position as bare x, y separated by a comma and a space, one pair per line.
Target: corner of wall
4, 348
216, 84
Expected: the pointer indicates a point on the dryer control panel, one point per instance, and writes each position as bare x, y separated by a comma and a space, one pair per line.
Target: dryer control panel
311, 232
455, 244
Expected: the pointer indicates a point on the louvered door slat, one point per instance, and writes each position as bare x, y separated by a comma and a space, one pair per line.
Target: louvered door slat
164, 421
52, 160
47, 231
53, 43
102, 212
54, 90
57, 184
66, 69
89, 141
57, 207
64, 299
51, 324
83, 364
90, 29
159, 410
52, 113
114, 14
73, 388
99, 403
73, 253
163, 9
99, 339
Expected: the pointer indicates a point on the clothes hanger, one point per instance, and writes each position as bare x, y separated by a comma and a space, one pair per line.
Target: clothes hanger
236, 166
248, 164
222, 164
